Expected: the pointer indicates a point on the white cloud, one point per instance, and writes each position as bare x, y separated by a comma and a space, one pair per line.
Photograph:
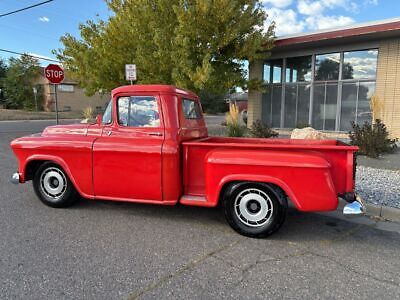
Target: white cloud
285, 20
277, 3
306, 7
324, 22
371, 2
310, 15
44, 19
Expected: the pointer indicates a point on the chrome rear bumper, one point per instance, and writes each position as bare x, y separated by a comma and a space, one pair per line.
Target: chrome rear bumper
355, 208
15, 178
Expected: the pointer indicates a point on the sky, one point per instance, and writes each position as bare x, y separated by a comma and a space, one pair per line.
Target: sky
37, 31
295, 16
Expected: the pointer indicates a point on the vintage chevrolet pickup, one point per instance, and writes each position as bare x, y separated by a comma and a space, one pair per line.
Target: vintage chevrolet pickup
151, 146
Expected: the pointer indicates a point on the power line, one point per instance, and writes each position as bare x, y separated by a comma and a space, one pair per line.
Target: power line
30, 55
25, 8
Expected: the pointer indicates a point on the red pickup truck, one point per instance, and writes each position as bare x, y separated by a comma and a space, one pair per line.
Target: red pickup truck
151, 146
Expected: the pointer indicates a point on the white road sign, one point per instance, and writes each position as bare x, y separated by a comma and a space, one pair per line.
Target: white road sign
130, 72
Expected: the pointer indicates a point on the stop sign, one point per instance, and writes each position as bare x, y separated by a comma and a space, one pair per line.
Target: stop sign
54, 73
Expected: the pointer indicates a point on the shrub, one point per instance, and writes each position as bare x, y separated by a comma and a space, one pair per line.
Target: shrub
302, 125
88, 113
372, 139
234, 126
261, 130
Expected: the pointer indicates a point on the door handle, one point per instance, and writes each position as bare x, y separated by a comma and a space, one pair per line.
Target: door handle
155, 133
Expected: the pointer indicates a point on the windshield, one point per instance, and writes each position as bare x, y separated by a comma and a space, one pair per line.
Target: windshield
107, 114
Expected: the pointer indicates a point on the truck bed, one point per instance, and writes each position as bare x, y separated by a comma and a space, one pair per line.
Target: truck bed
337, 154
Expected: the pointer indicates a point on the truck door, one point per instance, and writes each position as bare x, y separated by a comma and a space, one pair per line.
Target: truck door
127, 156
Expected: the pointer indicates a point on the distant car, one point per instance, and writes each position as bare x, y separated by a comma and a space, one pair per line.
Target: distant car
151, 146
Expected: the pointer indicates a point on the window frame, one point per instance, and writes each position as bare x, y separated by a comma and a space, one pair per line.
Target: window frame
110, 103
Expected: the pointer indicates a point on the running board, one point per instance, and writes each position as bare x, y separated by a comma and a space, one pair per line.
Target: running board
195, 200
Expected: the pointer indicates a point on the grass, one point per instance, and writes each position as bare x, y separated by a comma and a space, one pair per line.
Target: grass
14, 114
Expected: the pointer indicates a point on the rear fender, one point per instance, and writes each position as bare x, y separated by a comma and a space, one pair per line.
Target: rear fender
246, 178
305, 177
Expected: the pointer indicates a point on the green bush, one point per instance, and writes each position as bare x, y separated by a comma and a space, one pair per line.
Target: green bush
235, 130
261, 130
372, 140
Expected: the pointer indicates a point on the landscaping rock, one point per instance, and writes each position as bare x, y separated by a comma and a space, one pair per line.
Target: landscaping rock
307, 133
378, 186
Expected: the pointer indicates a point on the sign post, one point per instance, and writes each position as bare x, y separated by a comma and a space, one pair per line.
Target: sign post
54, 74
35, 95
130, 72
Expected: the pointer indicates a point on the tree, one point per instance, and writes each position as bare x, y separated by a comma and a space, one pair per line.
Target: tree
3, 72
329, 70
194, 44
19, 83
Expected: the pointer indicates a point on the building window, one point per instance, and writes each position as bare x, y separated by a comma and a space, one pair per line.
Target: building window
68, 88
273, 71
325, 105
327, 67
271, 109
355, 106
298, 69
314, 84
360, 64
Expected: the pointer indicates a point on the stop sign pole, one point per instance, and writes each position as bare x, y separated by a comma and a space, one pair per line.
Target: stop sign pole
54, 74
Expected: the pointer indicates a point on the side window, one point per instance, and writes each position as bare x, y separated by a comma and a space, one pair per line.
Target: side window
191, 109
138, 111
107, 114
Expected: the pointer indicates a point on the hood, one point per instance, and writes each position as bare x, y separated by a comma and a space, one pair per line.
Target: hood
79, 129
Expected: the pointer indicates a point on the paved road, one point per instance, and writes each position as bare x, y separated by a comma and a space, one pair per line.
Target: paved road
29, 126
38, 125
105, 250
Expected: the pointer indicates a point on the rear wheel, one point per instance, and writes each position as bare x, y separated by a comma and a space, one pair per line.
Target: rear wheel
53, 187
255, 209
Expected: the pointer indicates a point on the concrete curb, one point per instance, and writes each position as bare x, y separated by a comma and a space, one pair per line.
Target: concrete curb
378, 211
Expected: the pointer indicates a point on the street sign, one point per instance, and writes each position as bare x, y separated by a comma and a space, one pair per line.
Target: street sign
130, 72
54, 73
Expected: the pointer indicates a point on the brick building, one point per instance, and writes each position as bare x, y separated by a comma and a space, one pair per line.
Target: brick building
71, 97
327, 78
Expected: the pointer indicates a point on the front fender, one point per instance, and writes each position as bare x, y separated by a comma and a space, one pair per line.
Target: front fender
74, 155
57, 160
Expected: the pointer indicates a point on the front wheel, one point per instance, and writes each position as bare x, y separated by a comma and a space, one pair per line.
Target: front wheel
255, 209
53, 187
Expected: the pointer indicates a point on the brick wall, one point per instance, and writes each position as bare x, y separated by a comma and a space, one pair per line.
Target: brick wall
254, 108
388, 84
73, 101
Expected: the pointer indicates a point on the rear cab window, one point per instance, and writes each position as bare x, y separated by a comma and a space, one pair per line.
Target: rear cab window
191, 109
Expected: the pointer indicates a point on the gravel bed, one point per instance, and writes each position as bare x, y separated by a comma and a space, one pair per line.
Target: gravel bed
378, 186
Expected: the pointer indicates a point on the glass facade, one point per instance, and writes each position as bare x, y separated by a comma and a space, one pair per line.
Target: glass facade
327, 90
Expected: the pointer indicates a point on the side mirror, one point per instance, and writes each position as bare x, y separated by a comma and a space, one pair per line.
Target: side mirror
99, 119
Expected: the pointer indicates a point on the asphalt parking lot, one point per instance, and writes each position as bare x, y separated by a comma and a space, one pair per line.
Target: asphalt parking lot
109, 250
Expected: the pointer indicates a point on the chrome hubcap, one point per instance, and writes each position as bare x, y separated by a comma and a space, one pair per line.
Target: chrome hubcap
53, 183
253, 207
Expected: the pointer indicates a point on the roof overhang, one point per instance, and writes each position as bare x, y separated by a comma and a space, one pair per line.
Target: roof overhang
380, 30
